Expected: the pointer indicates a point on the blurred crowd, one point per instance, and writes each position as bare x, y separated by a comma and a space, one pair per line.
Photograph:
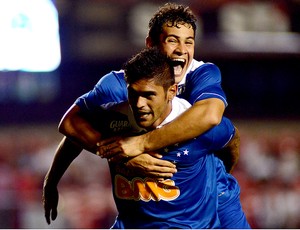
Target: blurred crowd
268, 172
269, 175
26, 153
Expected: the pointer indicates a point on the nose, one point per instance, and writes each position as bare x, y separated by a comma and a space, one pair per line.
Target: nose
140, 102
181, 49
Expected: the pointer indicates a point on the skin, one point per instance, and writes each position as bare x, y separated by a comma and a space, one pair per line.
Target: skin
150, 105
54, 174
179, 44
176, 42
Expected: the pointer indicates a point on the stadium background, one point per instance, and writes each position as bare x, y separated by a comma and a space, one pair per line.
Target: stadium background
256, 44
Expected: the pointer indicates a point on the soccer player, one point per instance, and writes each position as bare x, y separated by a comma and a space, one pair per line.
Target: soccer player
172, 29
190, 198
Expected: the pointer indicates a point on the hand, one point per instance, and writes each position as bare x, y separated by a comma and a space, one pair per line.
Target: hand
124, 147
149, 165
50, 202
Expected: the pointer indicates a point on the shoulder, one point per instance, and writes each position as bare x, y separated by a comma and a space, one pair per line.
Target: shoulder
115, 119
180, 104
203, 67
112, 87
204, 72
122, 109
113, 76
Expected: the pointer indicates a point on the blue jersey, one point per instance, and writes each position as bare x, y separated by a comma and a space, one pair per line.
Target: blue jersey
110, 88
187, 200
202, 81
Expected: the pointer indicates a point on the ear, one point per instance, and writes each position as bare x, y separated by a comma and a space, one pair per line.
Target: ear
149, 42
172, 91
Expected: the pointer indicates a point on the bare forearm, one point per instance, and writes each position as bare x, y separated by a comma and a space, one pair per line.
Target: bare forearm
77, 128
66, 152
195, 121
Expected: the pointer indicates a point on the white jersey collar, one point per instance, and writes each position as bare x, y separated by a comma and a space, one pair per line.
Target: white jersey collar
179, 105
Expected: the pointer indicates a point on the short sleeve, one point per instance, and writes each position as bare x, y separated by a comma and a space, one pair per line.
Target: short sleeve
111, 88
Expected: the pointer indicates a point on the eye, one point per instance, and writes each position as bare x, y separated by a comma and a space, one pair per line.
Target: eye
132, 94
189, 42
149, 95
171, 40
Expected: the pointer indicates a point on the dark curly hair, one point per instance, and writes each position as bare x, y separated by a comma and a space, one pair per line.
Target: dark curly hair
172, 14
150, 64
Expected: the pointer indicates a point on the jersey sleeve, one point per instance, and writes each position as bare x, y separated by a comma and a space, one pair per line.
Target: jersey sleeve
221, 134
111, 88
203, 83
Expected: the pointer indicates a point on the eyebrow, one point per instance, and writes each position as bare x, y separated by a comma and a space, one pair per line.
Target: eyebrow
143, 92
173, 35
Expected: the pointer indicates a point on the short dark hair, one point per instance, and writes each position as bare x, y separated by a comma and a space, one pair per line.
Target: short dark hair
150, 64
173, 14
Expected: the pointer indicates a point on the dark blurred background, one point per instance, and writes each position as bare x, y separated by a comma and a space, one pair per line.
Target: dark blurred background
255, 43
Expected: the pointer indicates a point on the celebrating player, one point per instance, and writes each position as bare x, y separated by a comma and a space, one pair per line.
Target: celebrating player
190, 198
171, 29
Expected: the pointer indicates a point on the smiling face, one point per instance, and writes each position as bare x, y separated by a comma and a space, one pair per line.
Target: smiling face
151, 86
150, 102
178, 42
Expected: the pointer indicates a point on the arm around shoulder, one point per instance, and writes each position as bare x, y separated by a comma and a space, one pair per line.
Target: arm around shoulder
76, 126
198, 119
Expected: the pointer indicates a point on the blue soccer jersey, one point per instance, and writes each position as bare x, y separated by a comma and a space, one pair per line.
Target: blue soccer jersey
110, 88
202, 81
187, 200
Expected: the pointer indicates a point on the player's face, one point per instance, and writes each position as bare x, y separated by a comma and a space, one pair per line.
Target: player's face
178, 42
150, 103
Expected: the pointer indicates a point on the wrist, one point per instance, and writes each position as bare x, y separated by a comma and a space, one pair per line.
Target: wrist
48, 183
145, 142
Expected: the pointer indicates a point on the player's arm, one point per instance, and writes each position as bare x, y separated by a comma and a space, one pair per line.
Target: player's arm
76, 126
66, 152
202, 116
199, 118
231, 152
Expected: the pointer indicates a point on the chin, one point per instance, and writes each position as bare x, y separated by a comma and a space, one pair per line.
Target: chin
178, 78
143, 124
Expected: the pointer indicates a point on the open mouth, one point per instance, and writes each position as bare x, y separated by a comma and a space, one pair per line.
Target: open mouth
142, 115
178, 65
